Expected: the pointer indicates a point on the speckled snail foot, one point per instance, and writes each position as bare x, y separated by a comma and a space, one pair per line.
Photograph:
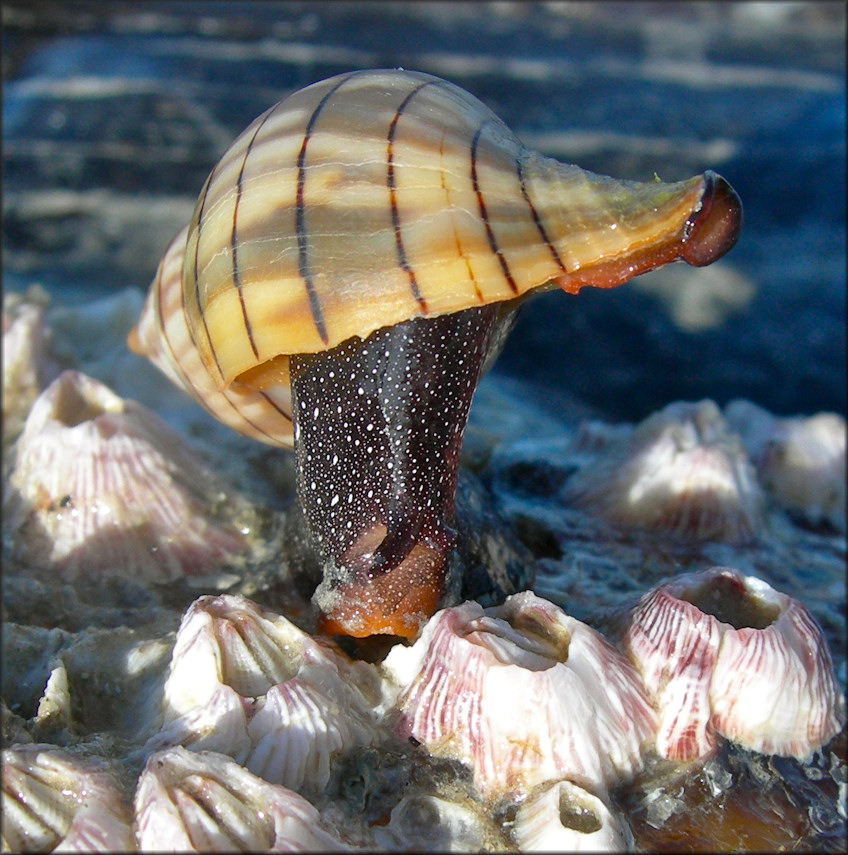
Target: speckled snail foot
352, 267
378, 429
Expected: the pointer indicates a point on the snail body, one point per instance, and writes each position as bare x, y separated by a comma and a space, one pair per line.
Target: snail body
352, 266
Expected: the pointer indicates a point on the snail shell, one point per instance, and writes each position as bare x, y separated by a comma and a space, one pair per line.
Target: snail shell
369, 201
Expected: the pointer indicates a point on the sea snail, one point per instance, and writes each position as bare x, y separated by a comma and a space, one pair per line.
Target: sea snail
353, 265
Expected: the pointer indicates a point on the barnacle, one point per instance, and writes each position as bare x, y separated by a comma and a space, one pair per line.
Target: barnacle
723, 653
524, 694
102, 486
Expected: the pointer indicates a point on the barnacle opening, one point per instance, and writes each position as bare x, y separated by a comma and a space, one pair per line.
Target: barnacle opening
521, 638
578, 814
730, 600
76, 402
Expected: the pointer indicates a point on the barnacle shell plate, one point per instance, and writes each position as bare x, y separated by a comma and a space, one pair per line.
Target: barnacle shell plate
425, 822
564, 817
249, 684
682, 471
723, 653
28, 364
54, 800
102, 486
547, 696
799, 460
206, 802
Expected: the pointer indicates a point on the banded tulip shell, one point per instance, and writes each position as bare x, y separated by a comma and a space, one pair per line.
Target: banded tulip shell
352, 265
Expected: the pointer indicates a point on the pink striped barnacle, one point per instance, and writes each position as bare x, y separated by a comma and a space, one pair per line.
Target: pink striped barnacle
523, 694
723, 653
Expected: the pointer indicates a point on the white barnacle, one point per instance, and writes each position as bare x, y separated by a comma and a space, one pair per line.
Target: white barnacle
682, 471
723, 653
549, 697
141, 502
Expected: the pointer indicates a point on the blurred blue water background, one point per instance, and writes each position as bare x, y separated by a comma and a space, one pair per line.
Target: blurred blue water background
114, 113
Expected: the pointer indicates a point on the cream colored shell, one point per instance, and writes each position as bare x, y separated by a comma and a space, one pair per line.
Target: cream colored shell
163, 336
366, 200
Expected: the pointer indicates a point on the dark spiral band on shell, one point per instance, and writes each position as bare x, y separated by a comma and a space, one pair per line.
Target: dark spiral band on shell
300, 215
484, 214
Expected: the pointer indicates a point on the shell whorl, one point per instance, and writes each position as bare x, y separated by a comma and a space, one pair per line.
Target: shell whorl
351, 267
345, 208
164, 336
374, 197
